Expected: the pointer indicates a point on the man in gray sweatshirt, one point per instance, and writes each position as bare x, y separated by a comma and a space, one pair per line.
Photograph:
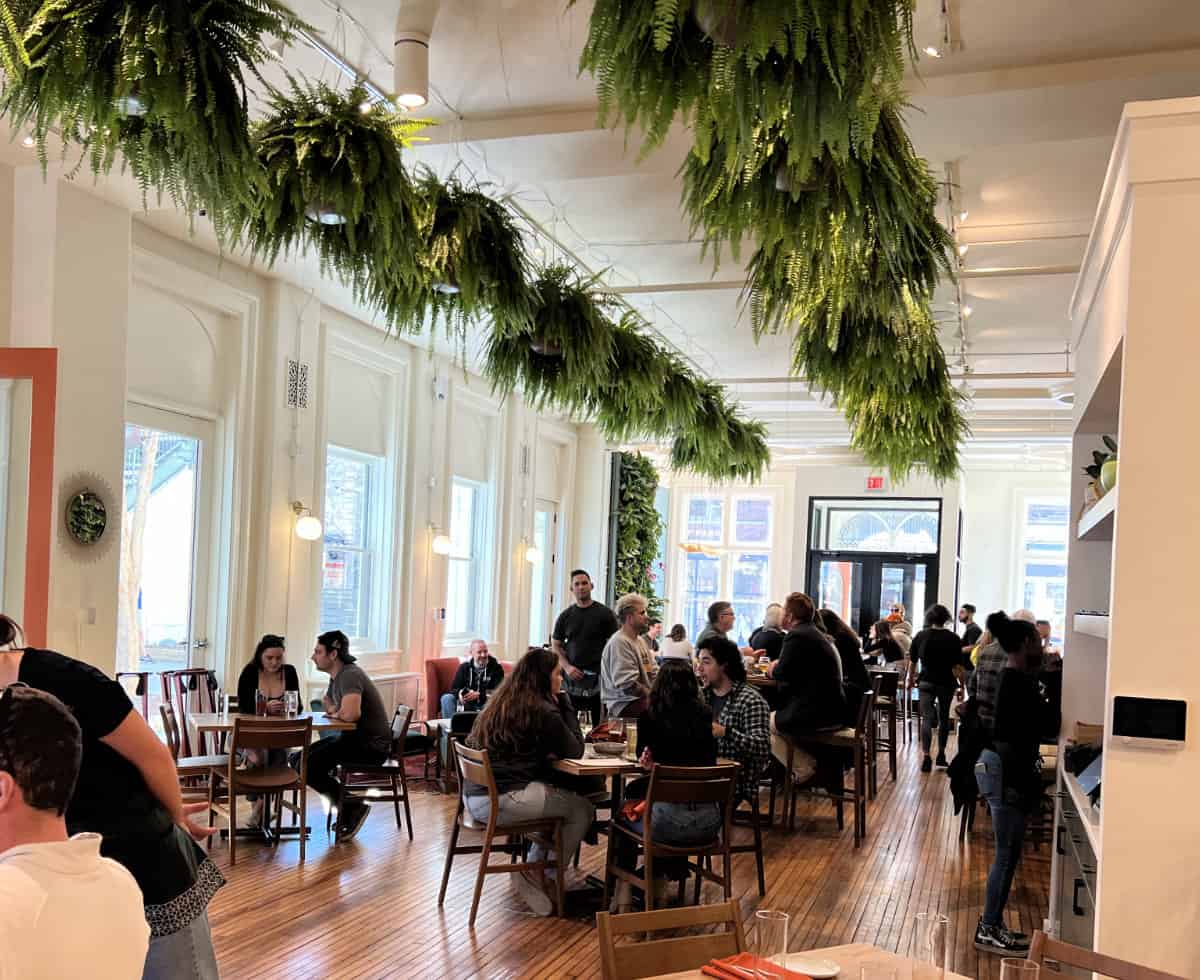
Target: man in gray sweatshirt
624, 683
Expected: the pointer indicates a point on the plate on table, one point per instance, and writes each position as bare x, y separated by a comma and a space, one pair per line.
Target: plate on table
817, 968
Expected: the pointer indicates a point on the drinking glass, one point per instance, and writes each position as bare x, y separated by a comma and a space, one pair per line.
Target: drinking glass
930, 945
771, 929
291, 703
1012, 968
877, 971
224, 705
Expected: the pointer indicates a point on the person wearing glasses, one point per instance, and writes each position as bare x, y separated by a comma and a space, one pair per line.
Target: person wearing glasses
128, 793
65, 911
902, 631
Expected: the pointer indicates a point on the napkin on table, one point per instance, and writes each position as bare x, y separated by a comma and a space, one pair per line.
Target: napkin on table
745, 962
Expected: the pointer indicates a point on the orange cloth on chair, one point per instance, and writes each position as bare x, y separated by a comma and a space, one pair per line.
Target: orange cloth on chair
746, 962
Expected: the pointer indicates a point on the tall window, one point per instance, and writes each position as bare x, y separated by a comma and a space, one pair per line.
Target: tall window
1042, 561
726, 555
353, 481
466, 582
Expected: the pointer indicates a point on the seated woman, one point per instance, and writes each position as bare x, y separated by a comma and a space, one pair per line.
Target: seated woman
882, 645
741, 718
268, 673
675, 730
845, 641
525, 726
675, 645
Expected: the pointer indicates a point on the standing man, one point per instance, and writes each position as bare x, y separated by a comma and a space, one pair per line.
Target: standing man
476, 678
352, 697
971, 632
580, 633
624, 682
65, 911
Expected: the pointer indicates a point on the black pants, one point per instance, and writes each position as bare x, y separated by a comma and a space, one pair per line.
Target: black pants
327, 754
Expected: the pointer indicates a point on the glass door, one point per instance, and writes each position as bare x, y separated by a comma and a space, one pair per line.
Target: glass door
163, 593
904, 582
837, 584
542, 572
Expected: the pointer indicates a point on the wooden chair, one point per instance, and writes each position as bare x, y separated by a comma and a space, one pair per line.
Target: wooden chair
755, 846
264, 734
192, 770
1043, 949
631, 961
388, 781
678, 784
196, 685
140, 688
886, 685
856, 740
474, 765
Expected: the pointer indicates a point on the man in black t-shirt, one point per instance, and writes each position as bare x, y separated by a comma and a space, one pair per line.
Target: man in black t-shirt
580, 633
971, 631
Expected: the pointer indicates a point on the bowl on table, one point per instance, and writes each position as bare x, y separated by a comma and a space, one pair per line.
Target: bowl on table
609, 748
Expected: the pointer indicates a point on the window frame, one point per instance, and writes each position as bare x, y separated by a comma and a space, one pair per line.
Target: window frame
1022, 556
374, 549
478, 562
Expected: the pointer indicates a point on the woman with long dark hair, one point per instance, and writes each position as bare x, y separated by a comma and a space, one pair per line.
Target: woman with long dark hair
675, 730
128, 792
1007, 771
267, 672
525, 726
849, 649
882, 644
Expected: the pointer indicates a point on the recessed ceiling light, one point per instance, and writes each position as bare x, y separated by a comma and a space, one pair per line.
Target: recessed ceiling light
963, 248
933, 52
28, 142
967, 310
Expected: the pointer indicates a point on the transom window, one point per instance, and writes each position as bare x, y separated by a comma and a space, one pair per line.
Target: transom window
898, 527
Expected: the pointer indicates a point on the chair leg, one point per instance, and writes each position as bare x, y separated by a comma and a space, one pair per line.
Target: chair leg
699, 880
302, 818
728, 873
232, 827
609, 856
758, 851
278, 797
560, 872
892, 743
450, 849
483, 863
648, 890
341, 799
211, 812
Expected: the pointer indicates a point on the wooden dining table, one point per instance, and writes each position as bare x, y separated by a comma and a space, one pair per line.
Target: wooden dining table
850, 959
221, 723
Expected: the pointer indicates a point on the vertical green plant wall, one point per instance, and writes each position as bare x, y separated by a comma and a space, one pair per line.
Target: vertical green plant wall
638, 530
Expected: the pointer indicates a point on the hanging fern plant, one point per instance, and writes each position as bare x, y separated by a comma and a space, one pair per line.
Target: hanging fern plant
621, 379
162, 83
332, 181
472, 257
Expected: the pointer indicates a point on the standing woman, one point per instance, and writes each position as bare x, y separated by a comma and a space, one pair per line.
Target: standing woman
525, 726
1007, 773
268, 673
938, 651
128, 792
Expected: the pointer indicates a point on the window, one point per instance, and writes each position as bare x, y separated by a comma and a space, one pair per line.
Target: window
726, 555
466, 585
1043, 560
350, 570
908, 527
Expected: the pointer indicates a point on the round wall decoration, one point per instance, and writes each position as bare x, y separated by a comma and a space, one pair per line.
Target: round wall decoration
86, 517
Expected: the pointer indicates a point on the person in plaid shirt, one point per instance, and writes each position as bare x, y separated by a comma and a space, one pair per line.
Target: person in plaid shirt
741, 718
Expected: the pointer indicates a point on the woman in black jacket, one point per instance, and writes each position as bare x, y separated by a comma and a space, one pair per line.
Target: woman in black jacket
882, 645
1008, 772
938, 651
845, 640
266, 672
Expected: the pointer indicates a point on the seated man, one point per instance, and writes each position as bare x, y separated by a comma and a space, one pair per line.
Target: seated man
65, 911
477, 677
352, 697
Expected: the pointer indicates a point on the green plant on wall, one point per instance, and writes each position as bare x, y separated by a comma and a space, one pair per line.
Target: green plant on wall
639, 527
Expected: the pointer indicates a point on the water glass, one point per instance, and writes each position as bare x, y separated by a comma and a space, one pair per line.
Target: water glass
931, 946
291, 704
877, 971
771, 929
1012, 968
224, 702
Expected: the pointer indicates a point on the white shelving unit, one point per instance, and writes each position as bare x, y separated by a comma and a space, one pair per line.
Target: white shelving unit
1134, 552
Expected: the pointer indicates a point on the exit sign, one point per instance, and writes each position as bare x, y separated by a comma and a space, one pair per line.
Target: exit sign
875, 484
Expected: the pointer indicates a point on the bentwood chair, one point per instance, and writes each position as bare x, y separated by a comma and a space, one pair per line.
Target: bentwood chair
140, 688
388, 781
632, 961
1043, 949
854, 740
677, 784
475, 766
192, 688
227, 783
192, 770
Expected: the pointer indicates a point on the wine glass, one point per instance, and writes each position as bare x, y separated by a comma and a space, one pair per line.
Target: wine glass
771, 929
1012, 968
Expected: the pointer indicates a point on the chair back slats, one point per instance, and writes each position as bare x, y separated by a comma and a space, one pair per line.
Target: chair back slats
865, 707
251, 732
1044, 948
170, 729
400, 722
692, 784
474, 765
629, 961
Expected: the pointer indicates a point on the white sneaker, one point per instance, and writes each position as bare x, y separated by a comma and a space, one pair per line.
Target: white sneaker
622, 900
531, 893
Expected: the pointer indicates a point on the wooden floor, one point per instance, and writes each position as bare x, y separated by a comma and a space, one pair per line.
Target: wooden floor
368, 908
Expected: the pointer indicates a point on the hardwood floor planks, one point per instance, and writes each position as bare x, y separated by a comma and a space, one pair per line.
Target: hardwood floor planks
368, 908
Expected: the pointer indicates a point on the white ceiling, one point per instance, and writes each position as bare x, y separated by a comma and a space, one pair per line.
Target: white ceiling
1026, 107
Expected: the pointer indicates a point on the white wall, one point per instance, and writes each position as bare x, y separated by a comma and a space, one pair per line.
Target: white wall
991, 534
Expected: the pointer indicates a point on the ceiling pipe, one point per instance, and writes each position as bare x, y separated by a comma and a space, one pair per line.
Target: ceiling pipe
410, 55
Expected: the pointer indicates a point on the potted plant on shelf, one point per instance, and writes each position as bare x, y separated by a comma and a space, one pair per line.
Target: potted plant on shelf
1103, 473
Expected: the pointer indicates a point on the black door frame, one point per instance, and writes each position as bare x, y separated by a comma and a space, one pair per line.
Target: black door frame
872, 562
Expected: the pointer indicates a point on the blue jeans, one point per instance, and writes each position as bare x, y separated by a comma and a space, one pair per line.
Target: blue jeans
449, 705
1008, 826
184, 955
681, 824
